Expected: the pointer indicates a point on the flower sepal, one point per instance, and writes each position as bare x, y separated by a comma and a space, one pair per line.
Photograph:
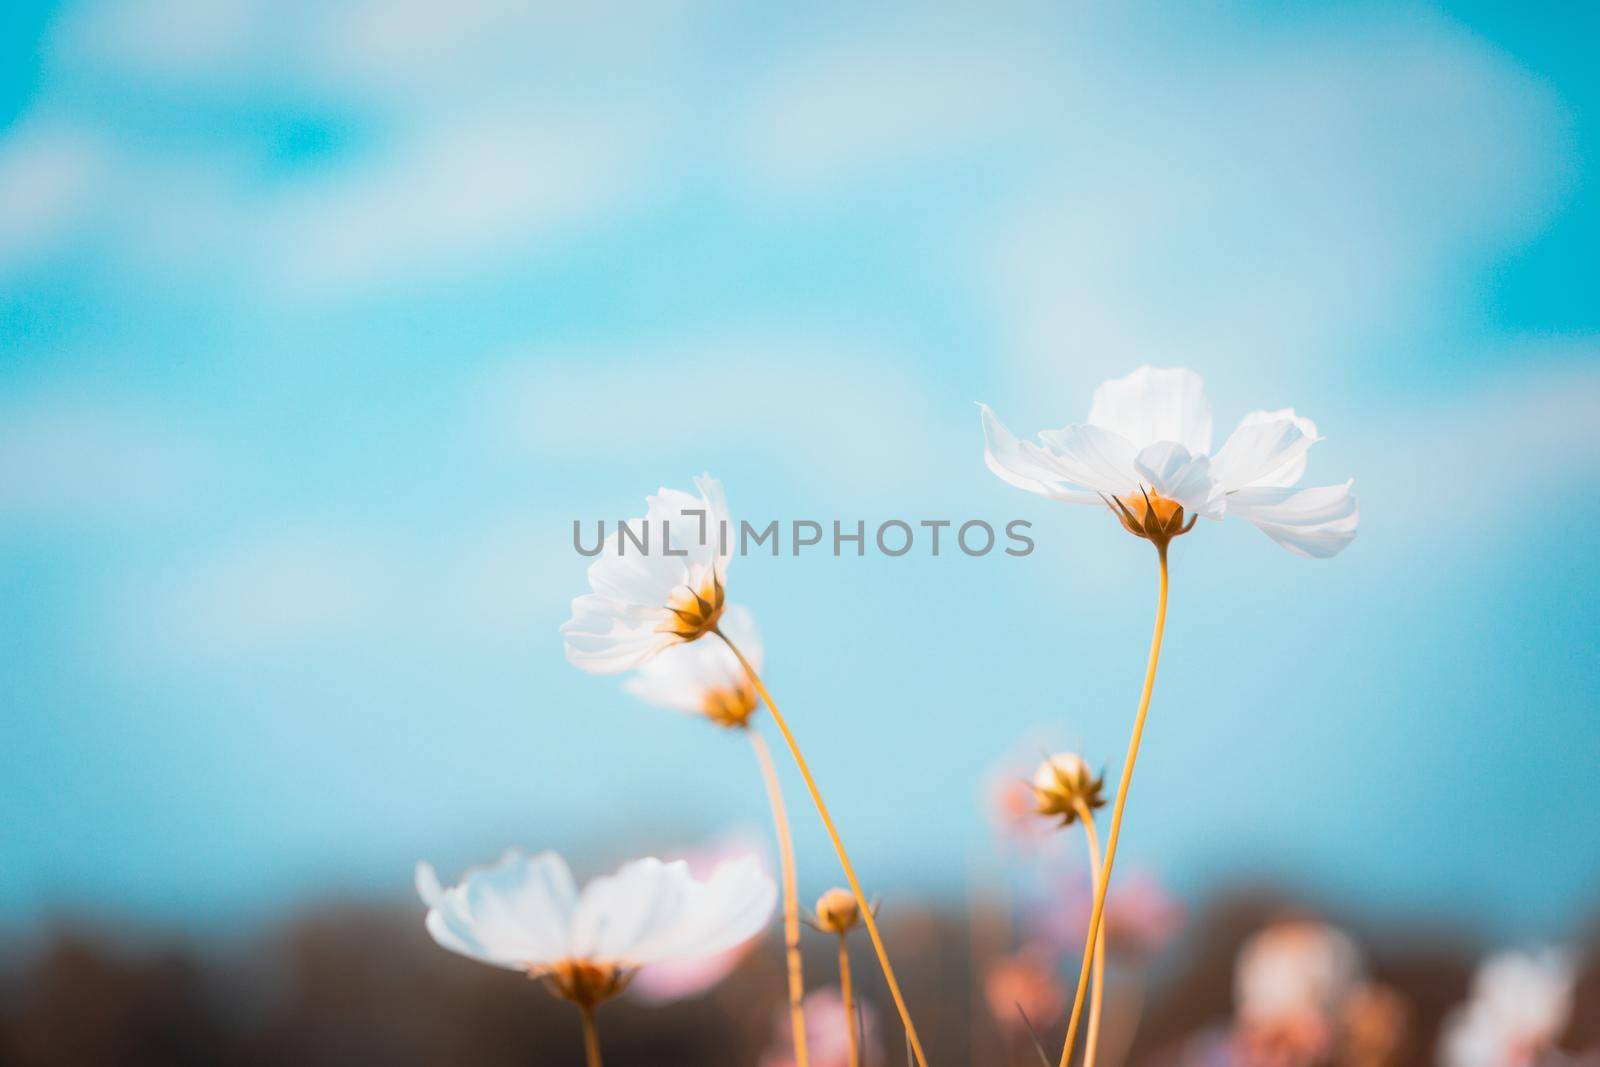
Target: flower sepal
583, 982
1063, 785
1151, 516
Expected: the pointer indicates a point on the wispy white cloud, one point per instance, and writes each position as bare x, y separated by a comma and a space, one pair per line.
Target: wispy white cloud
272, 596
837, 414
440, 182
52, 176
454, 194
91, 461
1317, 192
827, 118
1474, 461
1216, 192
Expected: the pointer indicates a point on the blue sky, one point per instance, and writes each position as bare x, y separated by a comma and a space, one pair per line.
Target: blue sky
320, 324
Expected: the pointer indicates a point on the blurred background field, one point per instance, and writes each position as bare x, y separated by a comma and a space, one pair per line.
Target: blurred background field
321, 323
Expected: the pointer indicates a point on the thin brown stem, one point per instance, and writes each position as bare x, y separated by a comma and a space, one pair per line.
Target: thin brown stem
1104, 881
847, 995
791, 902
838, 846
1096, 997
591, 1037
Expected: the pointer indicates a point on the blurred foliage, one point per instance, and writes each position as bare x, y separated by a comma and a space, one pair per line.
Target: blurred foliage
353, 984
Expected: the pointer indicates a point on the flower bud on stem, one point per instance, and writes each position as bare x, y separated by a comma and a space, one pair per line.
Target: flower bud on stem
838, 846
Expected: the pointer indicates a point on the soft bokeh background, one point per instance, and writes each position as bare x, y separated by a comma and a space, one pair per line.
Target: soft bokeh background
320, 323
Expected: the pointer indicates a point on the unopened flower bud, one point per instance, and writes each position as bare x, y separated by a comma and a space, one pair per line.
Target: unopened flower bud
837, 911
1063, 785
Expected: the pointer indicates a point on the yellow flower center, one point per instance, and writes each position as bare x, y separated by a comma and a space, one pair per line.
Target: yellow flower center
583, 982
695, 614
730, 707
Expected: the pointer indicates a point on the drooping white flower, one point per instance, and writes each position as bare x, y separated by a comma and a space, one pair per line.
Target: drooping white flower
667, 592
525, 913
1145, 451
705, 677
1520, 1004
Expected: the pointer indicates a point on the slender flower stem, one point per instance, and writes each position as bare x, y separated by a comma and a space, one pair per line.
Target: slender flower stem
1104, 881
1096, 998
838, 847
791, 901
591, 1037
847, 995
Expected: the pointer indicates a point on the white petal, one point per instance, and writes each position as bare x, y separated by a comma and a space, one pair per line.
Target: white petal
513, 914
1024, 464
1268, 449
1152, 405
427, 883
1170, 470
1309, 522
732, 906
620, 914
607, 636
696, 525
682, 676
1094, 458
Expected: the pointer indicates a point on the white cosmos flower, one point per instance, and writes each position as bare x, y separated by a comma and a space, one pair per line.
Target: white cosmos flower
1520, 1005
705, 677
525, 913
644, 601
1150, 434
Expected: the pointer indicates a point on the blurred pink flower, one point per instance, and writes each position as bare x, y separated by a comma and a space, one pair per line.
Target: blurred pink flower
1140, 915
827, 1033
673, 980
1012, 810
1008, 798
1027, 980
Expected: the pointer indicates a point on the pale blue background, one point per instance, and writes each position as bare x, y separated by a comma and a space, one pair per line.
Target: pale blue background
319, 323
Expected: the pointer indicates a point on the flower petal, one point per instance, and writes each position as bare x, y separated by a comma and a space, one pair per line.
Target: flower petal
1268, 449
1308, 522
726, 910
1152, 405
609, 636
1024, 464
514, 914
620, 914
623, 622
1170, 470
680, 677
1095, 458
427, 883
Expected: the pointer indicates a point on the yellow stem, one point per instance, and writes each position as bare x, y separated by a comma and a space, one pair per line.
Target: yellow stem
591, 1038
1096, 998
848, 997
791, 901
1104, 880
838, 847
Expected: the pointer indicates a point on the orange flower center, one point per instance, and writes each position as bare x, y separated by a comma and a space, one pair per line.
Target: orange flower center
583, 982
1150, 515
1161, 507
695, 614
730, 707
